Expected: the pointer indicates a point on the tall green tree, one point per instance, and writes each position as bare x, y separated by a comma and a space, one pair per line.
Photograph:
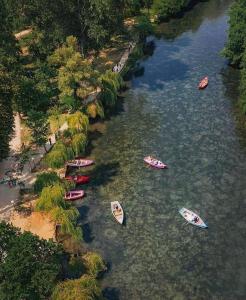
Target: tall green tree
8, 69
29, 267
236, 43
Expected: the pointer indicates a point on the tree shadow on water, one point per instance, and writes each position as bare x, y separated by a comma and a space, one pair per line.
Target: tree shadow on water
103, 173
92, 136
86, 228
111, 293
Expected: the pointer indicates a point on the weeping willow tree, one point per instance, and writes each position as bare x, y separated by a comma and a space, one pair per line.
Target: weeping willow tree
95, 109
78, 122
44, 180
51, 197
84, 288
67, 218
94, 263
79, 142
59, 155
63, 213
111, 82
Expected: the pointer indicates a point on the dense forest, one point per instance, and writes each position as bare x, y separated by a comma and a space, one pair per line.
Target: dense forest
235, 49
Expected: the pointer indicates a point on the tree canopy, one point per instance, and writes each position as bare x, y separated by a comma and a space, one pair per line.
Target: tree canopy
29, 267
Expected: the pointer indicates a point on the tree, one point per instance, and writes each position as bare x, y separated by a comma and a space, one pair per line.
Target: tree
169, 8
78, 122
76, 78
9, 65
29, 267
236, 43
58, 155
84, 288
94, 263
143, 28
45, 179
38, 123
79, 142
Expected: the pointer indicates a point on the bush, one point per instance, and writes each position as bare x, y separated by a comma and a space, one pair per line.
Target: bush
84, 288
44, 180
94, 263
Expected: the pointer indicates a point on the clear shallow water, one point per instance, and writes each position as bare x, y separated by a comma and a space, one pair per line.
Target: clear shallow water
156, 255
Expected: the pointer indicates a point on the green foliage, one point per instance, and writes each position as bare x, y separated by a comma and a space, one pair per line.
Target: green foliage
111, 82
44, 180
38, 123
79, 142
67, 218
52, 200
95, 109
51, 197
132, 7
75, 75
143, 28
29, 267
58, 155
235, 45
84, 288
169, 8
78, 122
94, 263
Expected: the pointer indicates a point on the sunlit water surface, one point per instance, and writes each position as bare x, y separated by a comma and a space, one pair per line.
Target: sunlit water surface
156, 255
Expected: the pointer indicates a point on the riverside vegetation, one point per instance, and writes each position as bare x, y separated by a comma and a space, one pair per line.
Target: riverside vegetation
46, 77
235, 49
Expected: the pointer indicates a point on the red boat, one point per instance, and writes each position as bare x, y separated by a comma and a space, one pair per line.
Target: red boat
78, 179
74, 195
203, 83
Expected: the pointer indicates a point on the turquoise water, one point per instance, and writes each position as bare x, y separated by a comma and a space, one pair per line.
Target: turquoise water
156, 255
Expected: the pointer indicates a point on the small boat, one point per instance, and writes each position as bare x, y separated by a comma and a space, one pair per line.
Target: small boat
154, 162
203, 83
74, 195
192, 218
78, 179
80, 162
117, 211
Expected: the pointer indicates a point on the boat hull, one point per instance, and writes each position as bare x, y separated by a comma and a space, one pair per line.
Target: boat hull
74, 195
78, 179
117, 211
190, 218
80, 163
154, 163
203, 83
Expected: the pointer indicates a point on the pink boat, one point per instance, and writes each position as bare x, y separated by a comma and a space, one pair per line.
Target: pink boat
80, 162
74, 195
154, 162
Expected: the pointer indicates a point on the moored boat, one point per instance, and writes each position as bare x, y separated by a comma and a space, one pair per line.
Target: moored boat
203, 83
117, 211
78, 179
80, 162
74, 195
192, 218
155, 162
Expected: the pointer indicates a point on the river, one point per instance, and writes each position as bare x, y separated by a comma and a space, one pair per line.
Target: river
156, 255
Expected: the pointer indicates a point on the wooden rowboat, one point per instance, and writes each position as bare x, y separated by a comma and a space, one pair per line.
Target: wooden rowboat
78, 179
192, 218
154, 162
117, 211
74, 195
203, 83
80, 162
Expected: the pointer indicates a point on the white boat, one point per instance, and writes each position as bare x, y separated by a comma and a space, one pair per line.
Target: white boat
192, 218
117, 211
80, 162
155, 162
